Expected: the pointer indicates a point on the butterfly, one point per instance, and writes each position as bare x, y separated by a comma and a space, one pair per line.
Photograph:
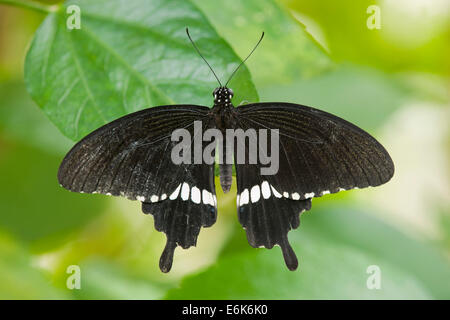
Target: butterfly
319, 153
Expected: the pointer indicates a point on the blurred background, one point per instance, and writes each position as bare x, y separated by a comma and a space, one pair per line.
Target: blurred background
392, 81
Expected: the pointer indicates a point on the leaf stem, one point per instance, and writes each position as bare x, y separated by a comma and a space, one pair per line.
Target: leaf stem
35, 6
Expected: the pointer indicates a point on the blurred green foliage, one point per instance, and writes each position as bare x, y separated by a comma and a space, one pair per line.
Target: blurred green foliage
366, 76
415, 33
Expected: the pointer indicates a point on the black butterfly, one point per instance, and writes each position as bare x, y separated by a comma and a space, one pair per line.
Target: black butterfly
319, 154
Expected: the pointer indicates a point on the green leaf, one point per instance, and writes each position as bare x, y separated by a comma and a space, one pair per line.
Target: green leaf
126, 58
327, 271
288, 52
21, 120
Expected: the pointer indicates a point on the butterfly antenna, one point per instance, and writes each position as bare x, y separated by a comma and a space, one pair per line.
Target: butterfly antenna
256, 46
199, 53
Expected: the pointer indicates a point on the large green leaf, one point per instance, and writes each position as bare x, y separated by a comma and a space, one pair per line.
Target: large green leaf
287, 53
127, 56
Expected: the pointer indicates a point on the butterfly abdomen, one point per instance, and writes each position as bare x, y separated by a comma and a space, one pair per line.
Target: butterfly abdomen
226, 167
226, 171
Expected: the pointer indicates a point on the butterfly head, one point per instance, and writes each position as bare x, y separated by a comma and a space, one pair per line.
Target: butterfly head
223, 96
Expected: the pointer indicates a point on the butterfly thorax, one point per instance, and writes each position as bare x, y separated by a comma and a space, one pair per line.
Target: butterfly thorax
222, 96
223, 109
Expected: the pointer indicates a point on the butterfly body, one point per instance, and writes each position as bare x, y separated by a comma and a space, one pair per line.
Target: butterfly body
225, 118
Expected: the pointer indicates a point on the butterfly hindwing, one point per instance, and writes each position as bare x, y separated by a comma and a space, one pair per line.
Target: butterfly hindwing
131, 157
266, 216
192, 204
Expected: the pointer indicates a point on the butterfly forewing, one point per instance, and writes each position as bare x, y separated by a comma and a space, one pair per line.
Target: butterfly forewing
128, 156
319, 153
131, 157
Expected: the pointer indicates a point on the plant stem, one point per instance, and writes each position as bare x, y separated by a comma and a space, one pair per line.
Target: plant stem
39, 7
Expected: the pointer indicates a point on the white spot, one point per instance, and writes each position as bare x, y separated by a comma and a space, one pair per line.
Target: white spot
174, 194
154, 198
325, 192
185, 191
195, 195
309, 195
81, 191
237, 200
341, 189
244, 197
164, 197
94, 192
207, 197
140, 198
265, 190
275, 192
215, 200
285, 194
295, 196
108, 193
255, 193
